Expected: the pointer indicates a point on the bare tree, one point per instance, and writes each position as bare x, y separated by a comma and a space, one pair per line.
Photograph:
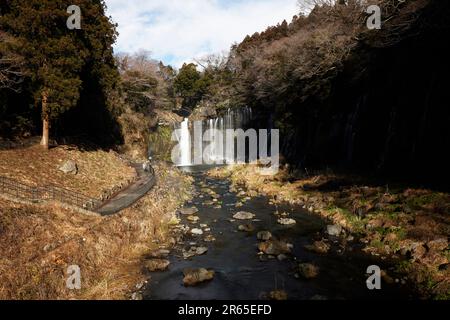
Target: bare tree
213, 62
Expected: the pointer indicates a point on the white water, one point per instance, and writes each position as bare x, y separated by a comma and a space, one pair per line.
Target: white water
233, 119
185, 144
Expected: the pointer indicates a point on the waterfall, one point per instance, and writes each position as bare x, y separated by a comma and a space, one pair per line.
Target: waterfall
232, 119
185, 144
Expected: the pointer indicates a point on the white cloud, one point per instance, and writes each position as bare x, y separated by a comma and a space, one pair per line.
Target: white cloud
180, 30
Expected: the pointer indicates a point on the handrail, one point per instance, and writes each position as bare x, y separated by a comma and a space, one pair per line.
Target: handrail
25, 192
22, 191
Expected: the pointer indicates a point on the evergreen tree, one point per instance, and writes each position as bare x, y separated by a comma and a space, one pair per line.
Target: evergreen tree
190, 85
54, 56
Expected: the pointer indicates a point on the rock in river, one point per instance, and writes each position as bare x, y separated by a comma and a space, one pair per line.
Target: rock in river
162, 253
210, 238
278, 295
193, 277
157, 265
287, 221
319, 247
264, 235
308, 270
246, 228
188, 211
197, 232
334, 230
194, 251
242, 215
201, 250
273, 247
282, 257
193, 219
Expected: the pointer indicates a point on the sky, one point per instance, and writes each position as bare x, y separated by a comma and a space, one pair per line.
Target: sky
177, 31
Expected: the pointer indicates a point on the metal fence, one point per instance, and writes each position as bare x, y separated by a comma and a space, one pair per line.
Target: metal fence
22, 191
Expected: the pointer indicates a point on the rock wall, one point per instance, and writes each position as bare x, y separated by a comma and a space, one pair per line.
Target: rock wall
388, 111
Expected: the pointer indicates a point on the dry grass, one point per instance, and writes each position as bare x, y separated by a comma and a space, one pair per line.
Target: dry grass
98, 171
38, 243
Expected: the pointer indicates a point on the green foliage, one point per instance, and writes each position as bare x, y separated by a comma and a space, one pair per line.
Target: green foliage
53, 57
161, 143
404, 266
191, 85
56, 60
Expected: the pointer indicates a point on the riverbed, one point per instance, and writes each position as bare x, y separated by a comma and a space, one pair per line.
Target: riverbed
243, 273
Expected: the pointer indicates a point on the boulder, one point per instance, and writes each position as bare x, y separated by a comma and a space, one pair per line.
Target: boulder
308, 270
242, 215
69, 167
287, 221
197, 232
264, 235
201, 250
274, 248
162, 253
319, 247
188, 211
246, 228
193, 219
193, 277
157, 265
137, 296
194, 251
278, 295
210, 238
282, 257
334, 230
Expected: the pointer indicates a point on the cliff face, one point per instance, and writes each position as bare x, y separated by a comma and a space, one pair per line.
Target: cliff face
388, 111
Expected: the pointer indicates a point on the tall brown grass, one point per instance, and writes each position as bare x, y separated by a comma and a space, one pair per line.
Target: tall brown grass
38, 243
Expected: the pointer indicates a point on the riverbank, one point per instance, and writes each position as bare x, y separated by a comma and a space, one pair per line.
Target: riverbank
412, 223
39, 242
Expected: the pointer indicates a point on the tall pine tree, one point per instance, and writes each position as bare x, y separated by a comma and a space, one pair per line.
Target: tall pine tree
56, 56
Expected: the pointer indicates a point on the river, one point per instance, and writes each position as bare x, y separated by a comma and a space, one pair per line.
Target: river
241, 273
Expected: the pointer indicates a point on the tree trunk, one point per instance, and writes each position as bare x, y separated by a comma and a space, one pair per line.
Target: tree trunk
45, 122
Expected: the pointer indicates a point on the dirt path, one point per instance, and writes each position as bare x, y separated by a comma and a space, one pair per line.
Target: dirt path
128, 196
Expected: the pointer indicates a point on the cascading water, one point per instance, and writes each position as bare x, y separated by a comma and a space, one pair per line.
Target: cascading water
232, 120
185, 144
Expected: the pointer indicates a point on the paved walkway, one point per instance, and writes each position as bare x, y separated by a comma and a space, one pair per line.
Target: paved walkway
128, 196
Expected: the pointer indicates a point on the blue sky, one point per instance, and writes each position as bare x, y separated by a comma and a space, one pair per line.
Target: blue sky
178, 31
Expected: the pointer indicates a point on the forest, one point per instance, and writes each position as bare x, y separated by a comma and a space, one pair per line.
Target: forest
364, 131
324, 71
